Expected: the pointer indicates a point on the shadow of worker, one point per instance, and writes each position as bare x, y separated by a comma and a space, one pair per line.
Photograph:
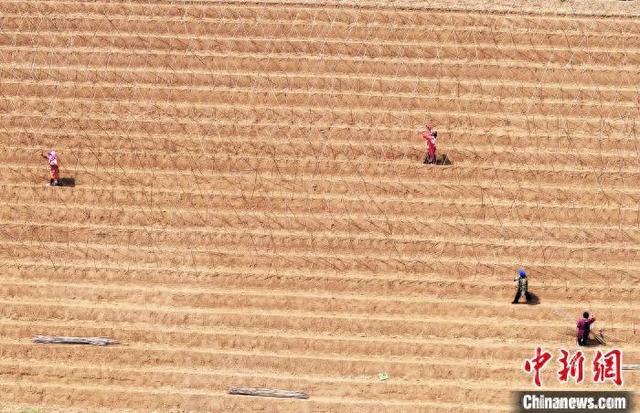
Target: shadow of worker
443, 160
533, 299
68, 182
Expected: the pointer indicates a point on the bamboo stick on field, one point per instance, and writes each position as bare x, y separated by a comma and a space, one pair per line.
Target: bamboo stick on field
96, 341
264, 392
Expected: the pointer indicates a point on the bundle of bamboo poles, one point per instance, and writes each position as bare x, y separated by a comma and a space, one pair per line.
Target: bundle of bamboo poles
96, 341
256, 391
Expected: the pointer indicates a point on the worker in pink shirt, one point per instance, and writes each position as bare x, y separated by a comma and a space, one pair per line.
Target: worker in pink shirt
52, 159
429, 136
584, 326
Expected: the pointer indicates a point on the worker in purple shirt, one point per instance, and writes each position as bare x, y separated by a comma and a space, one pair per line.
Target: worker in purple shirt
584, 325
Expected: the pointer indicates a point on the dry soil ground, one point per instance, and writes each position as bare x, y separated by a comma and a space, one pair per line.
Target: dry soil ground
250, 207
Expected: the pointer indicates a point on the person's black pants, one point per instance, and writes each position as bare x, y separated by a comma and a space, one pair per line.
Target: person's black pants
527, 296
429, 159
584, 340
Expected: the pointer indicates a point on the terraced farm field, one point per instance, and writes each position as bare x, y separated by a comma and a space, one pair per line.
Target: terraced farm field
250, 207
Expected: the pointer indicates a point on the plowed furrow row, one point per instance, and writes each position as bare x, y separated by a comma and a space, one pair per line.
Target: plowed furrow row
167, 207
272, 362
619, 172
363, 13
348, 156
275, 26
465, 69
202, 342
317, 124
318, 323
214, 380
307, 241
181, 117
246, 182
156, 357
8, 407
319, 260
211, 101
399, 152
125, 396
410, 251
373, 49
491, 283
355, 305
207, 374
198, 380
350, 224
394, 141
473, 103
162, 80
503, 205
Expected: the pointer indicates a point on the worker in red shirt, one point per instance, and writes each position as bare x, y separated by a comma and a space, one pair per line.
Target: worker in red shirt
52, 160
584, 326
429, 136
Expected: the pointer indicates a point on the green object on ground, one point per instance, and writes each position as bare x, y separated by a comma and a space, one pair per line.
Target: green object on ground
383, 376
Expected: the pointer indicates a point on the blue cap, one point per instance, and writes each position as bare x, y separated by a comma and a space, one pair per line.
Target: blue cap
522, 273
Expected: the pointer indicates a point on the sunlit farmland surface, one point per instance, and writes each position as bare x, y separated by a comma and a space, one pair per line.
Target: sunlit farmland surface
250, 207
